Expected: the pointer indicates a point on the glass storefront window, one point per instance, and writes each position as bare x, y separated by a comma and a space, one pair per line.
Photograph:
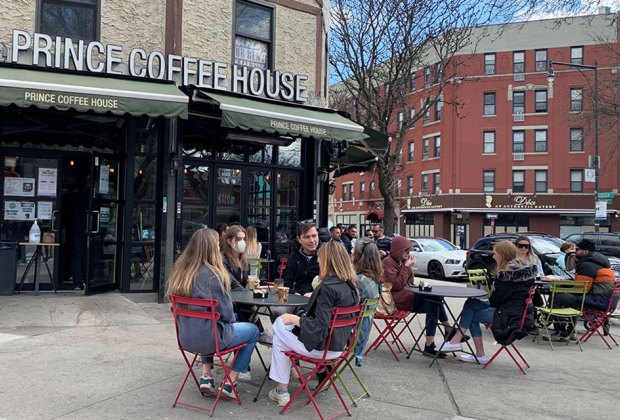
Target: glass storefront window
145, 178
290, 155
260, 153
228, 195
147, 135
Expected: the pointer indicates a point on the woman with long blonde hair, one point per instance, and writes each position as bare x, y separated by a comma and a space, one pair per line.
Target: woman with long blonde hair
233, 246
200, 273
514, 279
306, 334
253, 248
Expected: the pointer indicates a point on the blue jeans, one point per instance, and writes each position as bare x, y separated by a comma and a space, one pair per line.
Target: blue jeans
474, 313
432, 307
365, 328
243, 332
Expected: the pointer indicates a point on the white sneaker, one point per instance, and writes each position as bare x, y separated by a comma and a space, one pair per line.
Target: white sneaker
469, 358
245, 376
282, 398
448, 347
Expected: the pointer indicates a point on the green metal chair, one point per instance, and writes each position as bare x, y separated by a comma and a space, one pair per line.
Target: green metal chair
479, 279
568, 316
370, 307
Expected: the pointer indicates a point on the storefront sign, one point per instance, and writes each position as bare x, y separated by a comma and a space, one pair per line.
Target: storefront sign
95, 57
19, 187
296, 127
425, 203
19, 210
47, 182
600, 210
517, 202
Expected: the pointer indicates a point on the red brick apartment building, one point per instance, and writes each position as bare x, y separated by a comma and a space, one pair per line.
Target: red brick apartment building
513, 155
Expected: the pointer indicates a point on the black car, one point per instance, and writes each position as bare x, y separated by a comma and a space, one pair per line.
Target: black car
607, 243
547, 247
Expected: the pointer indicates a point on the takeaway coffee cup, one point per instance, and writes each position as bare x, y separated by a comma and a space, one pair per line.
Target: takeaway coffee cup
252, 282
421, 284
283, 294
277, 283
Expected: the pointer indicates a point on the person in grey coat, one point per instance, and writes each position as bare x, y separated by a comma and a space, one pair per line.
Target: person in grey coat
200, 273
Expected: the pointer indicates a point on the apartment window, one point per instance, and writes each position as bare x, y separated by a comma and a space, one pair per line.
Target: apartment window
76, 19
438, 72
437, 151
576, 99
351, 187
344, 192
362, 190
412, 82
425, 184
540, 140
399, 157
427, 116
410, 151
488, 181
576, 55
489, 63
576, 139
518, 62
386, 88
518, 102
540, 178
576, 180
518, 181
438, 108
372, 189
411, 114
253, 35
541, 60
488, 138
400, 121
436, 186
409, 185
399, 185
426, 144
541, 101
518, 142
489, 103
427, 76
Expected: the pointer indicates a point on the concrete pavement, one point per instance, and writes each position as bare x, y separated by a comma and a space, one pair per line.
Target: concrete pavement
70, 356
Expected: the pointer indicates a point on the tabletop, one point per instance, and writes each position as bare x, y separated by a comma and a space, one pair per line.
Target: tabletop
270, 300
450, 291
38, 243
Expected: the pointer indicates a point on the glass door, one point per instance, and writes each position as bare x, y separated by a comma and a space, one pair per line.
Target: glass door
104, 240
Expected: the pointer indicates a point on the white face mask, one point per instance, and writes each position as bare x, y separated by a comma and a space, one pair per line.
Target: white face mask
240, 247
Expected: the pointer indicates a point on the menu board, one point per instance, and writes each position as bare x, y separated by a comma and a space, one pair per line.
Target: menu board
19, 187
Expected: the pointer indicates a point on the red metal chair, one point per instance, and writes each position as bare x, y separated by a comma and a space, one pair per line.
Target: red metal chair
510, 343
348, 317
388, 332
596, 319
207, 311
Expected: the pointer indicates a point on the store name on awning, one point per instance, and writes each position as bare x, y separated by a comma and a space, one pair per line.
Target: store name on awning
64, 99
425, 203
296, 127
518, 202
96, 57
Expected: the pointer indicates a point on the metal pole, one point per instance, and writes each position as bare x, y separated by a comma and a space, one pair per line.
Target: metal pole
598, 158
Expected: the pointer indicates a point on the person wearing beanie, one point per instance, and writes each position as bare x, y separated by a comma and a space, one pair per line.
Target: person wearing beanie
397, 270
595, 269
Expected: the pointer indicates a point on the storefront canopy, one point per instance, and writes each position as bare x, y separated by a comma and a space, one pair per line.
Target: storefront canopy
375, 214
64, 91
356, 159
274, 117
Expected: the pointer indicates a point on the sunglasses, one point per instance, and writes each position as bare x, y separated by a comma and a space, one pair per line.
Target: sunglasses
524, 246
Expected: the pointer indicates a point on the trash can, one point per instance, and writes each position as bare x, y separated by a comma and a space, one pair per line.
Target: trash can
8, 272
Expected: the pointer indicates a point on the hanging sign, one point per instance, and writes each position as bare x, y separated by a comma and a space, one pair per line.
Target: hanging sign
600, 210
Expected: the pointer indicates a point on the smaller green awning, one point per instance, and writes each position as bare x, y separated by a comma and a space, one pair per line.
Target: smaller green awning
274, 117
64, 91
356, 159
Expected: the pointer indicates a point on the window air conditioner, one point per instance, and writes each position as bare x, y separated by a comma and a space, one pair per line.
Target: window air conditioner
518, 156
518, 117
519, 77
489, 72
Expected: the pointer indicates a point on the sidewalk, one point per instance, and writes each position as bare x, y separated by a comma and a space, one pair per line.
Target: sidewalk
106, 357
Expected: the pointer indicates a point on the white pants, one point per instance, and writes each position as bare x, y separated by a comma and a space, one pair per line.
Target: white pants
284, 340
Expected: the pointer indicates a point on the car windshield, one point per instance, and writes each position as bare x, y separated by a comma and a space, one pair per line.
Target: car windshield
546, 244
435, 245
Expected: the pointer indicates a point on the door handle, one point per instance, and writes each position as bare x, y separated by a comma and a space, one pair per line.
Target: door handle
95, 214
54, 216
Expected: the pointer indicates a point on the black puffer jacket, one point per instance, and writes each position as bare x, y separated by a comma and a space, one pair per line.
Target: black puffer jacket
299, 272
510, 292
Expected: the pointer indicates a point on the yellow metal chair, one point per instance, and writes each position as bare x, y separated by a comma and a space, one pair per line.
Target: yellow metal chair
568, 316
479, 279
370, 306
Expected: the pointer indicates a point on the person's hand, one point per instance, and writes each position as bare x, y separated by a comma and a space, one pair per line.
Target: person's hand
382, 254
410, 261
290, 319
308, 294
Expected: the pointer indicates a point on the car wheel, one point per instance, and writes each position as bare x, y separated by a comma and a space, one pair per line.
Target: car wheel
435, 271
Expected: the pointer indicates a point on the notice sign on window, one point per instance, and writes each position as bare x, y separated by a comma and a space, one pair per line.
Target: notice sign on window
104, 179
47, 181
19, 210
19, 187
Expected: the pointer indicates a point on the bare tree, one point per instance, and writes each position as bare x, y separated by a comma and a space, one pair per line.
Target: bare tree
377, 45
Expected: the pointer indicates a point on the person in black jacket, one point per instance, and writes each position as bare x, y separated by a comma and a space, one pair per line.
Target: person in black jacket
504, 309
384, 243
306, 334
302, 265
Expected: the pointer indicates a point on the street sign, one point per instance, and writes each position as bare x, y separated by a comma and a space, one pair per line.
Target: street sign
606, 195
600, 210
589, 175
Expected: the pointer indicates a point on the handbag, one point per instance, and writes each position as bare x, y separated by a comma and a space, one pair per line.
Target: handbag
387, 306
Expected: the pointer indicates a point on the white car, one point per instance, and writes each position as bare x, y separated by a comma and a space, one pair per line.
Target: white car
438, 258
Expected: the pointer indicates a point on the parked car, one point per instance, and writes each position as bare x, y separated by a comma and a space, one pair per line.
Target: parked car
606, 243
438, 258
547, 247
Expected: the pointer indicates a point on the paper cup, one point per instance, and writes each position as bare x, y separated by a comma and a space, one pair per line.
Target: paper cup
252, 282
282, 294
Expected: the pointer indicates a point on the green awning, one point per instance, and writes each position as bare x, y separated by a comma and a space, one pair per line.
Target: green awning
284, 119
64, 91
356, 159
